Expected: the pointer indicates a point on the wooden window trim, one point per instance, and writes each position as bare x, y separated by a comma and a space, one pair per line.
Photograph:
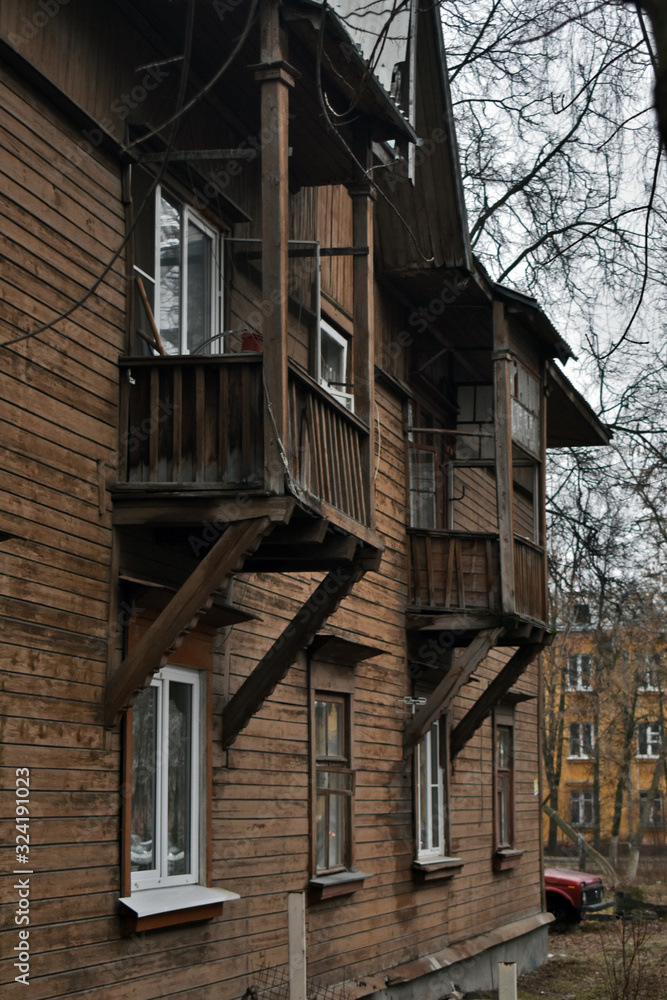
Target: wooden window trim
337, 680
432, 868
506, 857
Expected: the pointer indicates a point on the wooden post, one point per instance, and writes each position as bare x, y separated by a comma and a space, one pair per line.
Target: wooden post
363, 345
503, 436
296, 944
507, 981
274, 76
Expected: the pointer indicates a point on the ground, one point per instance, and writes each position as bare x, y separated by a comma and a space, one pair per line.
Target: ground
606, 960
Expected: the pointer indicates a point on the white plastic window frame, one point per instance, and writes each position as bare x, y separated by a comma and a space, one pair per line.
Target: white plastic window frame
156, 878
424, 753
188, 214
585, 807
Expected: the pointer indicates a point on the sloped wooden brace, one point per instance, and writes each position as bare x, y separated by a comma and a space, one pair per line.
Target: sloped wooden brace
274, 665
181, 614
496, 690
449, 686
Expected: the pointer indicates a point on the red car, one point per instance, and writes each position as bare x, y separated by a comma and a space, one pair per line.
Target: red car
570, 894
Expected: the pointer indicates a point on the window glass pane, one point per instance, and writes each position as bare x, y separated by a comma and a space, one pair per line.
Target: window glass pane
320, 831
321, 728
504, 747
423, 798
336, 829
179, 799
335, 744
171, 239
422, 488
200, 269
144, 785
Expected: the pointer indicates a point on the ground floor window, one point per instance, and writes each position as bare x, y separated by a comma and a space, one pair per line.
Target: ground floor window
431, 841
334, 782
656, 820
165, 795
649, 739
504, 786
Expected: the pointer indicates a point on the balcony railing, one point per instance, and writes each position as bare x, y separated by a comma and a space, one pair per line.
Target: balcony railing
457, 571
194, 424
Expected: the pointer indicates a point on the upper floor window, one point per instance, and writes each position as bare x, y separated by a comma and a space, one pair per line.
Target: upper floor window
581, 740
164, 840
187, 277
177, 256
649, 739
334, 364
580, 672
525, 408
475, 415
582, 808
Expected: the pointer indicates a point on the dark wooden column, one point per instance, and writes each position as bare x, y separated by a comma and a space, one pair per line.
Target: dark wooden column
363, 315
275, 77
503, 437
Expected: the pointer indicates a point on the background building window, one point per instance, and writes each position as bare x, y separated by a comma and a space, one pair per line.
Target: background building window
649, 678
164, 841
656, 820
582, 809
580, 672
430, 796
649, 739
334, 783
581, 740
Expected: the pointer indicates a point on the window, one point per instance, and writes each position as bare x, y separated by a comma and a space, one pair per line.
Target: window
164, 840
177, 257
333, 365
582, 809
649, 739
475, 414
580, 672
656, 818
649, 678
581, 740
525, 408
423, 492
430, 796
504, 786
334, 783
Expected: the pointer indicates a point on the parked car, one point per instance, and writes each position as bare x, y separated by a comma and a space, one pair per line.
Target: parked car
570, 894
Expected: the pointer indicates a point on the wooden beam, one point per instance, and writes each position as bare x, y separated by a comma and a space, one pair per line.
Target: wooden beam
488, 700
181, 614
449, 687
502, 419
183, 508
276, 662
275, 80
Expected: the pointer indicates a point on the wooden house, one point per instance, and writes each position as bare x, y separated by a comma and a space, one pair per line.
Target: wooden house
273, 515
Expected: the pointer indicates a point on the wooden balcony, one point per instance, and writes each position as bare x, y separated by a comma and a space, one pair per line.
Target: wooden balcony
457, 574
196, 426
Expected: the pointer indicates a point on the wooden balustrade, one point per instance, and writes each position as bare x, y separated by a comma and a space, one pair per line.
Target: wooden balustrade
457, 571
454, 570
193, 422
196, 423
327, 448
529, 580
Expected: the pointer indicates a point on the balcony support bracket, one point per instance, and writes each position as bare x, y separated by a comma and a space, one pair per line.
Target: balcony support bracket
449, 686
494, 693
182, 613
306, 623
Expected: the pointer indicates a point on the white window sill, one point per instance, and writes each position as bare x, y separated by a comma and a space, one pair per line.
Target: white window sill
578, 756
647, 756
150, 908
338, 884
436, 868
